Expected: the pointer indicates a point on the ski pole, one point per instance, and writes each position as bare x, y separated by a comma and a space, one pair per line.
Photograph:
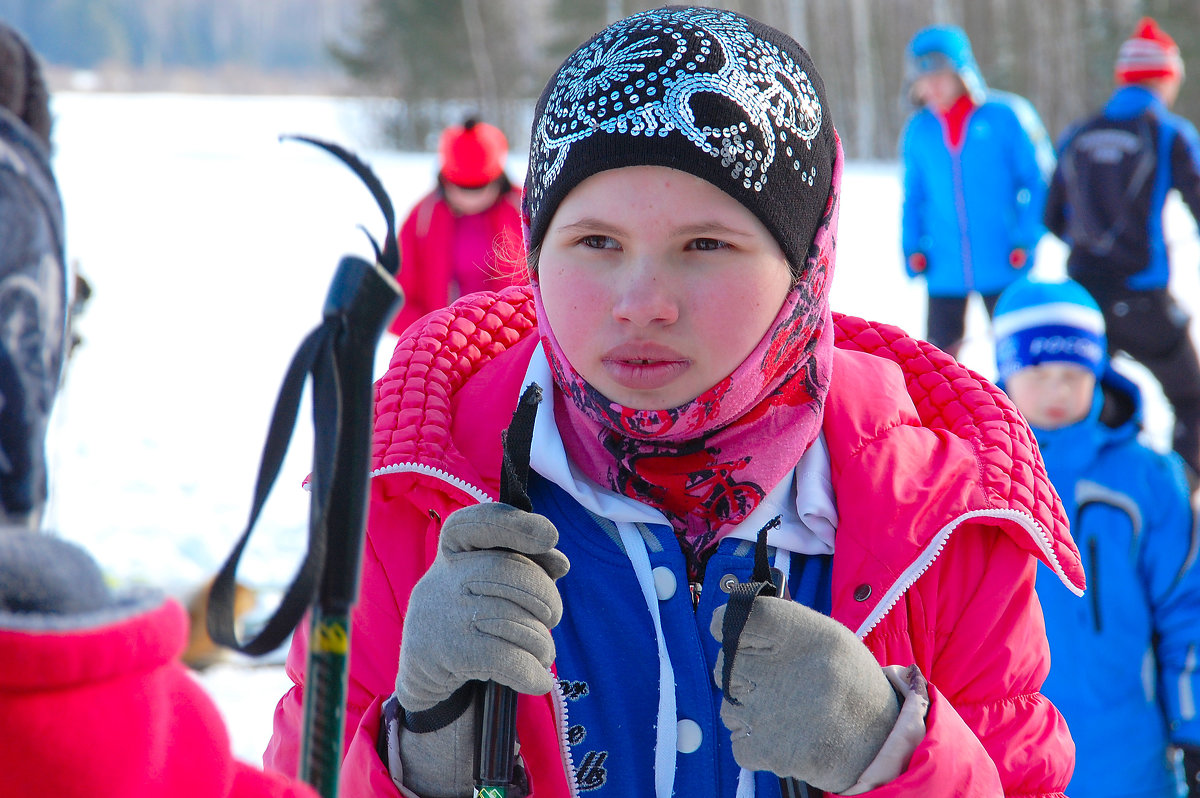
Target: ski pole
339, 358
498, 732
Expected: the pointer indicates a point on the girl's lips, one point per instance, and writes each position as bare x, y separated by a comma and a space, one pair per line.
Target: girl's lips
644, 375
644, 366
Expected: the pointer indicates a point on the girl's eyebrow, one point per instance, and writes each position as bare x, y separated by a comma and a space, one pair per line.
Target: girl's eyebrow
713, 228
592, 225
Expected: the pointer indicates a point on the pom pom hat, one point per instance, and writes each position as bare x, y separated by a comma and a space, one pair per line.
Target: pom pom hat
1150, 53
472, 153
705, 91
1042, 322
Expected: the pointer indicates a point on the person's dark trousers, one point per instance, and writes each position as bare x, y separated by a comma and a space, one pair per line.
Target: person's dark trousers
1152, 328
946, 320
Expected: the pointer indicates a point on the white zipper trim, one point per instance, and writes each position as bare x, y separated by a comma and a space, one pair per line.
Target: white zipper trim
931, 552
564, 744
418, 468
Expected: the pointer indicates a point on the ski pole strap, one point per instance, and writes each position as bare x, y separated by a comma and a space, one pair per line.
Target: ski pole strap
764, 581
442, 714
313, 359
741, 602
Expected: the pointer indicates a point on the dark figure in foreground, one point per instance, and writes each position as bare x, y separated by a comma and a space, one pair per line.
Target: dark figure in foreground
33, 282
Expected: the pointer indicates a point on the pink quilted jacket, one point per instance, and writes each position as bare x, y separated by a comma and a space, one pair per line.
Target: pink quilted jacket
944, 509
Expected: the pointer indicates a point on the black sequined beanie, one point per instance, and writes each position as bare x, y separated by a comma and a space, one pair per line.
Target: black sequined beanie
706, 91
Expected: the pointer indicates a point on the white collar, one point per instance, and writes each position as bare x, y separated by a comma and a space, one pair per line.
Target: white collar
804, 501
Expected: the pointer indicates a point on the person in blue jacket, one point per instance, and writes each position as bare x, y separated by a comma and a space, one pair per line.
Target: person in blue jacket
1123, 658
976, 163
1106, 201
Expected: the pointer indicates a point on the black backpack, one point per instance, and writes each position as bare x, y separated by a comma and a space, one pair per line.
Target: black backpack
1108, 170
33, 316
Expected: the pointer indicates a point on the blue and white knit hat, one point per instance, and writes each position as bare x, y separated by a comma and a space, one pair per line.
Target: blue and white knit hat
1044, 322
703, 90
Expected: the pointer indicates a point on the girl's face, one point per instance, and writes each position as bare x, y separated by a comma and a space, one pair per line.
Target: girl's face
1052, 395
657, 284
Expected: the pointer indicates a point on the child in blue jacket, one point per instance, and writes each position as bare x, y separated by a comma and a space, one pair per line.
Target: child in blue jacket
1123, 658
976, 164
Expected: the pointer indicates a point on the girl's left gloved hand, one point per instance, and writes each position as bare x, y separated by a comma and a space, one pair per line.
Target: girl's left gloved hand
806, 698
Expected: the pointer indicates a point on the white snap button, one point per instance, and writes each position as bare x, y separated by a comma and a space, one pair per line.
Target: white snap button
689, 736
664, 582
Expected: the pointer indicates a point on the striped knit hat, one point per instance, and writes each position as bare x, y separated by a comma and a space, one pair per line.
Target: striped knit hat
1149, 53
1041, 322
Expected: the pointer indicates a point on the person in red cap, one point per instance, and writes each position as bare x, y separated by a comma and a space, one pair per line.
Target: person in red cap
465, 235
1106, 201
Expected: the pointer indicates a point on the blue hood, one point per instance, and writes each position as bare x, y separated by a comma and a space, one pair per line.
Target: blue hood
944, 47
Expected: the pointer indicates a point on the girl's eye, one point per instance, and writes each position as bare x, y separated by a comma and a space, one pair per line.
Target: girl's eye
598, 242
707, 244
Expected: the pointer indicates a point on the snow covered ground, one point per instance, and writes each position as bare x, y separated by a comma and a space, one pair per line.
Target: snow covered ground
210, 246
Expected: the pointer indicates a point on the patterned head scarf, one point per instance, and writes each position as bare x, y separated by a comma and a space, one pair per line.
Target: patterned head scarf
739, 104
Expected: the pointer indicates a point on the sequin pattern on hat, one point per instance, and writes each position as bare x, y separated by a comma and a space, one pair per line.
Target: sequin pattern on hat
750, 108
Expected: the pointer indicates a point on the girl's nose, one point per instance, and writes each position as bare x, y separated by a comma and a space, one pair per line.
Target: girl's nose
644, 295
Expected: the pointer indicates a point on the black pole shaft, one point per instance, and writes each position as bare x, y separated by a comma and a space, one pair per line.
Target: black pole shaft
498, 739
363, 301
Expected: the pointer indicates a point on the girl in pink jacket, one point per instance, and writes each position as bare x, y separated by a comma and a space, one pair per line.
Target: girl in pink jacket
704, 416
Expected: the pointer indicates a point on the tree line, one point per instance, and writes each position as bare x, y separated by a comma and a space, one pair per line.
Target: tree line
493, 56
290, 35
438, 61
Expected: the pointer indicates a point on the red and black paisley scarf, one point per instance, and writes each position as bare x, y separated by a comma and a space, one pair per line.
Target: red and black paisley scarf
708, 463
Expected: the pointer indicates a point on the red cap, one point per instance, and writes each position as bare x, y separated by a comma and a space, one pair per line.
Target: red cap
472, 153
1149, 53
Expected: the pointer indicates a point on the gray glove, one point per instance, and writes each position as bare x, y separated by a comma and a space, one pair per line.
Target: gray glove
806, 699
484, 609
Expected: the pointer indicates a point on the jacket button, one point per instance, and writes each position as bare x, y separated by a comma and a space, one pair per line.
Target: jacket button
689, 736
727, 582
664, 582
862, 592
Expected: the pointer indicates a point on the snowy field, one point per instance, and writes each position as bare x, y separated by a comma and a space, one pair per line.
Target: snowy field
210, 246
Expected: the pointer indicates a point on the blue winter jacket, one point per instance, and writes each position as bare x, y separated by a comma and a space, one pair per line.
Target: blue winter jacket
1123, 657
1115, 228
967, 207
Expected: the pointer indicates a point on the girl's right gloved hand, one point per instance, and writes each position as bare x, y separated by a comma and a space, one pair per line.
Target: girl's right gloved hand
484, 609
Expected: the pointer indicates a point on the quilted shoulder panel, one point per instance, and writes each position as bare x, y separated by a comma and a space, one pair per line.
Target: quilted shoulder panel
950, 396
433, 361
